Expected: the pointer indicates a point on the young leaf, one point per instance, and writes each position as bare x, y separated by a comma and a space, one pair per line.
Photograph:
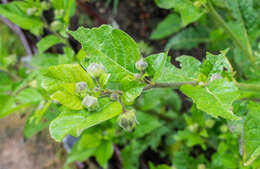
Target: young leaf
171, 24
189, 70
156, 63
68, 100
117, 51
47, 42
67, 73
252, 134
75, 122
216, 99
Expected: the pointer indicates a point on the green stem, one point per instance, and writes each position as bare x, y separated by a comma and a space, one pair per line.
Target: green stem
176, 85
219, 19
248, 87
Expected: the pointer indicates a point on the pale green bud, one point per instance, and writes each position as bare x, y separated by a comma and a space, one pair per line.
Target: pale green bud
201, 166
210, 123
59, 13
90, 102
31, 11
56, 25
45, 5
193, 127
81, 87
96, 70
141, 65
224, 128
127, 120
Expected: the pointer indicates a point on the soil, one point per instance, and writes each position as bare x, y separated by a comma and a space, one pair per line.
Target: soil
40, 152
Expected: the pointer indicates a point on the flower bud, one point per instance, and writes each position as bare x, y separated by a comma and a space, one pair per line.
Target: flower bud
201, 166
81, 87
58, 13
141, 65
127, 120
114, 96
193, 127
96, 70
56, 25
31, 11
90, 102
224, 128
137, 76
210, 123
45, 5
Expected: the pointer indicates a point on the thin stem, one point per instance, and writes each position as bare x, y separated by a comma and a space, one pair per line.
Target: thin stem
218, 18
12, 76
176, 85
248, 87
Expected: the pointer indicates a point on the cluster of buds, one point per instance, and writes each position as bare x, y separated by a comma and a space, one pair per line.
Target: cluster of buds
59, 13
81, 87
56, 25
127, 120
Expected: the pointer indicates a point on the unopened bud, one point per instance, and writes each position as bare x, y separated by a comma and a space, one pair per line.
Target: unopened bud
193, 127
141, 65
90, 102
59, 13
224, 128
128, 120
210, 123
137, 76
45, 5
114, 96
201, 166
56, 25
31, 11
81, 87
96, 70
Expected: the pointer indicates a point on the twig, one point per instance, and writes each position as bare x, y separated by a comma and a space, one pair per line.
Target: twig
118, 156
18, 31
169, 85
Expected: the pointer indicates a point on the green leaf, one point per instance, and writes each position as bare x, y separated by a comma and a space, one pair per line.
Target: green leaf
67, 73
187, 39
215, 64
104, 153
47, 42
76, 122
166, 4
216, 99
156, 63
85, 147
29, 95
130, 95
189, 13
189, 70
117, 51
14, 12
252, 134
171, 24
68, 100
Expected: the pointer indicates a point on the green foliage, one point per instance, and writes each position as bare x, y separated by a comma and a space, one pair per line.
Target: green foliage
108, 84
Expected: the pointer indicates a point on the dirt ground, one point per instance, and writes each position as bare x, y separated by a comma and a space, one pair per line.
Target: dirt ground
40, 152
